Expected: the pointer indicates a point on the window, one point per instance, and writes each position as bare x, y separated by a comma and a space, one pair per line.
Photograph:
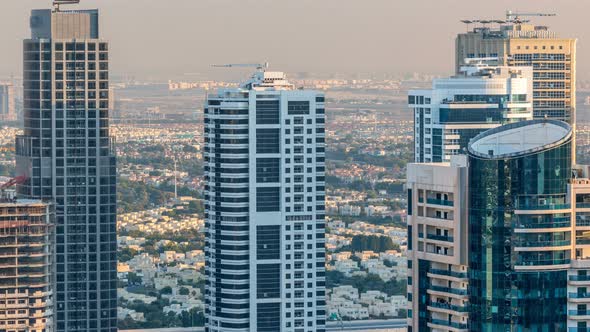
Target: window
267, 112
268, 242
268, 281
267, 170
267, 140
268, 199
298, 107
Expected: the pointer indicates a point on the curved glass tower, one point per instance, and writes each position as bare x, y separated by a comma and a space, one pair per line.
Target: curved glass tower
519, 226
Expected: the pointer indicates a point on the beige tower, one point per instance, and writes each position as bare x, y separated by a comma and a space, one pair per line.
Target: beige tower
519, 44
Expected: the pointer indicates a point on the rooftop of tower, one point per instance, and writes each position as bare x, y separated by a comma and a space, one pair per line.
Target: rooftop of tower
520, 30
268, 80
520, 138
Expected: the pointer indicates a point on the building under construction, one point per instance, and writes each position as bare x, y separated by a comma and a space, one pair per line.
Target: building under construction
26, 265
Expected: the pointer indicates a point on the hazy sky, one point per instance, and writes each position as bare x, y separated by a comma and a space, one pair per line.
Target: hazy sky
168, 38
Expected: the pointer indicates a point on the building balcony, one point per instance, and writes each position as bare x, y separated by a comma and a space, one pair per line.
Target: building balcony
544, 207
583, 205
435, 237
542, 264
455, 326
458, 275
550, 245
579, 278
574, 296
442, 202
557, 223
455, 291
578, 314
449, 307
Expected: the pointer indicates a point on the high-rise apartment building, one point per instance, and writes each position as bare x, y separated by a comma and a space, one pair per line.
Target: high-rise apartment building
437, 246
498, 239
458, 108
26, 266
67, 155
265, 207
521, 44
7, 102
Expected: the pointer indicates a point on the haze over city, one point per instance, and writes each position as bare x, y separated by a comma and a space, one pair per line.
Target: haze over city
166, 39
400, 166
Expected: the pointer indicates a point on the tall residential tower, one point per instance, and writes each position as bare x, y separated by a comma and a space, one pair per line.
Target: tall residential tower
517, 43
67, 155
265, 200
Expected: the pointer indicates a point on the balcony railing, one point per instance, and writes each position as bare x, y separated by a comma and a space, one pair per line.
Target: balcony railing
449, 306
583, 205
447, 323
542, 262
449, 273
449, 290
556, 224
529, 244
544, 207
578, 312
439, 237
579, 295
579, 278
439, 202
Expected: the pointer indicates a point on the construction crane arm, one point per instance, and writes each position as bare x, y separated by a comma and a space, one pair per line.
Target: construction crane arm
17, 180
259, 66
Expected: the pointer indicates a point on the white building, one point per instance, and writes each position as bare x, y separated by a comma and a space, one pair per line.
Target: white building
265, 207
456, 109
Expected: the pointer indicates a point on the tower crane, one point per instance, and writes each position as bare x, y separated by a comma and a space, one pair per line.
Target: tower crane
14, 181
258, 66
57, 3
517, 17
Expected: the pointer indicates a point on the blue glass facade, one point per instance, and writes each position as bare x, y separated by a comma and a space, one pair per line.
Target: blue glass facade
518, 290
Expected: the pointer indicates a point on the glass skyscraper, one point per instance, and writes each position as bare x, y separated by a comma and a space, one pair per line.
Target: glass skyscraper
67, 155
265, 207
499, 239
519, 245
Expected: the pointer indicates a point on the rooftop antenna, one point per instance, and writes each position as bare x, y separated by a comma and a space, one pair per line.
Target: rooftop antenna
258, 66
516, 18
57, 3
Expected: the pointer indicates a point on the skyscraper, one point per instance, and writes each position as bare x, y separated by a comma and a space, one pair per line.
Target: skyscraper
265, 200
458, 108
7, 102
437, 246
26, 265
517, 43
67, 155
498, 239
520, 234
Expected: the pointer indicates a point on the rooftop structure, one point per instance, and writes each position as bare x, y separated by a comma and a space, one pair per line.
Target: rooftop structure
520, 138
